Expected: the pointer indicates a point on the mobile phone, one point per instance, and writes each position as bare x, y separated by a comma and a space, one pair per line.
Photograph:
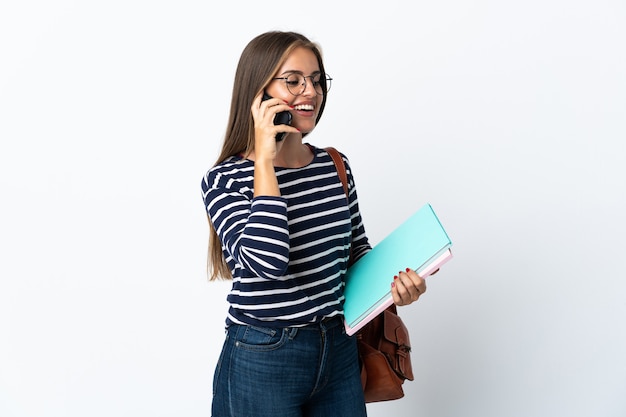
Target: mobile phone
281, 118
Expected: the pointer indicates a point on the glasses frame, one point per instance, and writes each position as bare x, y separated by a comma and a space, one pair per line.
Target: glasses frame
326, 77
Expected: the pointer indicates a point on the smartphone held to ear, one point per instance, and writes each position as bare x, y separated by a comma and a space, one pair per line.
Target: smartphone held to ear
281, 118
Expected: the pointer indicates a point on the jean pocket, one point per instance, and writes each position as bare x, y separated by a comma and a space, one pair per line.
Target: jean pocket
262, 338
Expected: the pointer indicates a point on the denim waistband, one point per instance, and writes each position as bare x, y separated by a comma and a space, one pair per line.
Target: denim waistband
326, 323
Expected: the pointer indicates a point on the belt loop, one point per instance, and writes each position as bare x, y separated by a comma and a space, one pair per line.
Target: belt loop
291, 332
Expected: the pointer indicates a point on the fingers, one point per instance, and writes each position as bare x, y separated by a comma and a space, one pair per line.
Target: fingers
407, 287
264, 111
265, 131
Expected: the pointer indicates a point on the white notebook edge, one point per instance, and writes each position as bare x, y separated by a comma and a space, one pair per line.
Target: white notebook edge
424, 272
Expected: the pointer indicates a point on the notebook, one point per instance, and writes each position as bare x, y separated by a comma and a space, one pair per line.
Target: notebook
420, 243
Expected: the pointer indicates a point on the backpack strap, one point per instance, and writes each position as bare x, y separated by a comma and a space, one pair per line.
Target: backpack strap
340, 166
343, 176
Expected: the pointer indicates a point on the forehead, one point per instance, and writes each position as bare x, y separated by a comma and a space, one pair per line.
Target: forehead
300, 60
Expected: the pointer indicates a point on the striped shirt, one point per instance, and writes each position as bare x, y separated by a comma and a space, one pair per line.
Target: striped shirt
288, 254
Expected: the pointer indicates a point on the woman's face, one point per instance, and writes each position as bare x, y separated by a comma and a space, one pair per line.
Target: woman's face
303, 62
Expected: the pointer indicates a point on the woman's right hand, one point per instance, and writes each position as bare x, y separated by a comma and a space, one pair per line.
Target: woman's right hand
265, 146
263, 113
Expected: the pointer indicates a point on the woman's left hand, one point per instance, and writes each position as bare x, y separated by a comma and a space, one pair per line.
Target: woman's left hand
407, 287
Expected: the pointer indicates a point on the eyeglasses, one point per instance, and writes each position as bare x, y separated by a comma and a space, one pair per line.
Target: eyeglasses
296, 83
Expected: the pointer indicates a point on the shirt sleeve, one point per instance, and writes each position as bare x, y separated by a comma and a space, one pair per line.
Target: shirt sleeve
253, 231
360, 242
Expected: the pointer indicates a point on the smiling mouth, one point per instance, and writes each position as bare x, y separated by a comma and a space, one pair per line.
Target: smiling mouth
304, 107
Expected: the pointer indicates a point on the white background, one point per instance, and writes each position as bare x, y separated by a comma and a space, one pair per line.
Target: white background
508, 117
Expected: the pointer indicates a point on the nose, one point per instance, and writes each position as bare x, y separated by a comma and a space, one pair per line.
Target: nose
309, 87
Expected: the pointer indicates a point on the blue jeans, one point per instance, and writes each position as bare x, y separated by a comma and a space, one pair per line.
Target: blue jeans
307, 371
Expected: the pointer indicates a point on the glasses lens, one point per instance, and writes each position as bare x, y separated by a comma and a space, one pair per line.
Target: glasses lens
295, 84
319, 88
317, 84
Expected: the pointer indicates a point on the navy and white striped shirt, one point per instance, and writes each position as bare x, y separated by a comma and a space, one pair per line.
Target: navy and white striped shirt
288, 254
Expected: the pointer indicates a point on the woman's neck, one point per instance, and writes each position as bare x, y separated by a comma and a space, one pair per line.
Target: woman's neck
293, 154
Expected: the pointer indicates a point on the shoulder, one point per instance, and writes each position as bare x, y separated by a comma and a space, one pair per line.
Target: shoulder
231, 171
327, 153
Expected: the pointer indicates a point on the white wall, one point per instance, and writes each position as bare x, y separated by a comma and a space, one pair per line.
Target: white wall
508, 117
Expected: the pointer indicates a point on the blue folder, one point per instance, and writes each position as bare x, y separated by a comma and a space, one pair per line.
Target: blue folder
420, 243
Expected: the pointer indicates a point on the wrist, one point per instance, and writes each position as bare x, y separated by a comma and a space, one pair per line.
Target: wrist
265, 181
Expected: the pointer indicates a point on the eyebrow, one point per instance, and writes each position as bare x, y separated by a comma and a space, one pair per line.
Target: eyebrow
300, 72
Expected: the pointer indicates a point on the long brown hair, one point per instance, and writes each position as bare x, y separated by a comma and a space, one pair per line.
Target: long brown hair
258, 64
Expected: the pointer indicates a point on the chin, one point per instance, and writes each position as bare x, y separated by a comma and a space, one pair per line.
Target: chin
306, 129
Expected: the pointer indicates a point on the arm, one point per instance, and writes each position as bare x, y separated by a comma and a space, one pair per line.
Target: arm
253, 231
360, 242
265, 145
253, 228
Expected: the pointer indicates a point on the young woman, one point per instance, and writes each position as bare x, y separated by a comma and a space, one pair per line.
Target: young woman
281, 229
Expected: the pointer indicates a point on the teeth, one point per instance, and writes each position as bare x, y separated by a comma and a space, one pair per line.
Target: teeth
304, 107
